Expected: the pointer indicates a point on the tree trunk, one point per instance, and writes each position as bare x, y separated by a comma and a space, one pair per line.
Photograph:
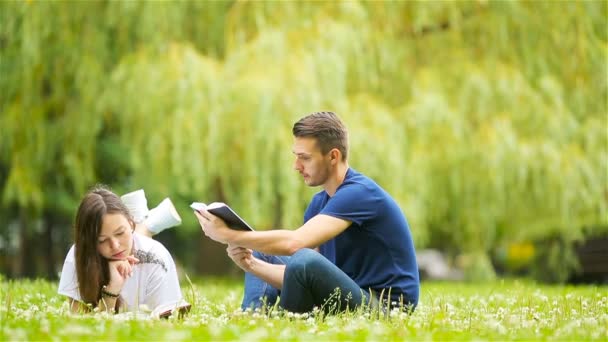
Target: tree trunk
212, 259
24, 262
49, 244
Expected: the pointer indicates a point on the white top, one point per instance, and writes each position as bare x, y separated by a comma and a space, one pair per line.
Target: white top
153, 281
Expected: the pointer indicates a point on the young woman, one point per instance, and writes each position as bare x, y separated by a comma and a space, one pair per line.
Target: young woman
110, 266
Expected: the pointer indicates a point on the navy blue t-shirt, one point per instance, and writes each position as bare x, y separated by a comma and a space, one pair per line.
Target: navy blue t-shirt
376, 250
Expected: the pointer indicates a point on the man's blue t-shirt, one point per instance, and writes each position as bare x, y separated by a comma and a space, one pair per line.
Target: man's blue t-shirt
377, 250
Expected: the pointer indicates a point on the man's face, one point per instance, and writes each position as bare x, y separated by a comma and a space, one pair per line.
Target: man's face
312, 165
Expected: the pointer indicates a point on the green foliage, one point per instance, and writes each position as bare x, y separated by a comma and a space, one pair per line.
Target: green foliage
485, 120
512, 310
556, 255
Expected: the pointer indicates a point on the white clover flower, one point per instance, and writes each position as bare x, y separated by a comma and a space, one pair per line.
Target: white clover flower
590, 321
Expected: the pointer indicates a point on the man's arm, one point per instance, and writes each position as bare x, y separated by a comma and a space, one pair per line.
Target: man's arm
243, 257
313, 233
272, 274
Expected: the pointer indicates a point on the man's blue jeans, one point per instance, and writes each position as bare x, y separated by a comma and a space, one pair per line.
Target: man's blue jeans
310, 281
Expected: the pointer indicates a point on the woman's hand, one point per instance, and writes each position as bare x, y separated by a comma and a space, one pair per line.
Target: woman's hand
242, 257
120, 271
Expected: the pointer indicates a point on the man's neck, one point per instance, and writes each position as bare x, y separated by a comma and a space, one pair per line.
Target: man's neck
336, 179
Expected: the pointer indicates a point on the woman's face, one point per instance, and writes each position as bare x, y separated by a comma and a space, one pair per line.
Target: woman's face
115, 239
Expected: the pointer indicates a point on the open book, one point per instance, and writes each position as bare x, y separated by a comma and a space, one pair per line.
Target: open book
179, 308
223, 211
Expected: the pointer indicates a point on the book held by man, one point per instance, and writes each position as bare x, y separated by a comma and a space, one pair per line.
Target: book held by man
223, 211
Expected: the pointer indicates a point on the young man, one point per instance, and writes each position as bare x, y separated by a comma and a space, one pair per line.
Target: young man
365, 248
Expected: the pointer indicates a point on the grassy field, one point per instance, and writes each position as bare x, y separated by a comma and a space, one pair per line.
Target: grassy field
31, 310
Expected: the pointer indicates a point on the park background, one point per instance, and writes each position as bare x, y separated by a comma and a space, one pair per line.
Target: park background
486, 120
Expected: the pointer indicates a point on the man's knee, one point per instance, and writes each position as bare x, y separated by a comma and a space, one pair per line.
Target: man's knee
271, 259
304, 259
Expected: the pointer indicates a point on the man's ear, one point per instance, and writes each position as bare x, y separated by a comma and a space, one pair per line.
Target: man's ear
334, 155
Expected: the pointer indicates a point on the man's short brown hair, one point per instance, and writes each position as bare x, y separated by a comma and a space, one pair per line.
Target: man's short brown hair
327, 128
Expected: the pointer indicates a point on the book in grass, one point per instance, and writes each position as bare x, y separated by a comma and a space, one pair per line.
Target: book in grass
223, 211
178, 308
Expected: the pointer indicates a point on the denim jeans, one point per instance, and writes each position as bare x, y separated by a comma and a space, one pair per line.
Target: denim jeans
310, 281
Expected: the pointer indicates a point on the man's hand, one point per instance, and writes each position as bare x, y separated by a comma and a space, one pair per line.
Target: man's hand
214, 227
242, 257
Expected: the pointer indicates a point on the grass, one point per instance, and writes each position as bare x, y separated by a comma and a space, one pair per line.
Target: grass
513, 309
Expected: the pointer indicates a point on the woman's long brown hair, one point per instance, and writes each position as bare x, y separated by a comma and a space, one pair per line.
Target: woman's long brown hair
91, 268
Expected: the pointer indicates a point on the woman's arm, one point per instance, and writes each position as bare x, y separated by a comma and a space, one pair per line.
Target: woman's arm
108, 301
103, 305
77, 306
162, 283
120, 270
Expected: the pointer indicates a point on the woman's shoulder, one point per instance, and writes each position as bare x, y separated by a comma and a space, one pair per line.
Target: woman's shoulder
142, 242
150, 251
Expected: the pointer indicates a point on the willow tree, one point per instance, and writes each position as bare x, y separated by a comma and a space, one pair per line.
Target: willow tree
54, 61
47, 152
485, 120
468, 137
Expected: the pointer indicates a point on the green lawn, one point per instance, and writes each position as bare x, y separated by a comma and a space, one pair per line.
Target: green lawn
31, 310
